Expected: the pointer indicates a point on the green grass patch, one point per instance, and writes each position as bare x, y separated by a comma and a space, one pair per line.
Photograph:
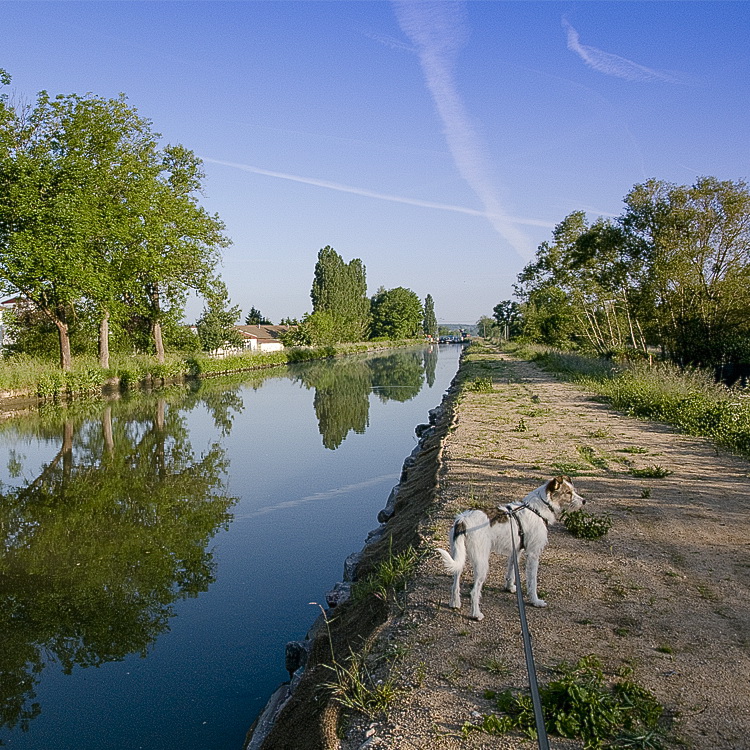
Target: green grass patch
44, 378
479, 385
389, 577
354, 687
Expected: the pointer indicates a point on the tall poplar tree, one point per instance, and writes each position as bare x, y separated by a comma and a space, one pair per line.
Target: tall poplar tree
430, 324
339, 292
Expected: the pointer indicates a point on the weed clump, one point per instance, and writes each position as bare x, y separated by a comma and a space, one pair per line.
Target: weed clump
582, 704
651, 472
585, 525
389, 577
480, 385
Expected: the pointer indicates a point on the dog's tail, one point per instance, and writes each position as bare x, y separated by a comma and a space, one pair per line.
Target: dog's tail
454, 563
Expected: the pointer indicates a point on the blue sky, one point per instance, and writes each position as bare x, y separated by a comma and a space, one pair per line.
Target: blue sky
439, 142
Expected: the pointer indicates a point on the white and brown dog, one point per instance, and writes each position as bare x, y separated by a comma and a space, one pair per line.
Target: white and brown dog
524, 524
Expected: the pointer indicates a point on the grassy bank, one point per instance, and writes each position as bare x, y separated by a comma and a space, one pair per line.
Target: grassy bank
27, 376
687, 399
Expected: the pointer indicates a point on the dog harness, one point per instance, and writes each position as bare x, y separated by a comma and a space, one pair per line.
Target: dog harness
514, 510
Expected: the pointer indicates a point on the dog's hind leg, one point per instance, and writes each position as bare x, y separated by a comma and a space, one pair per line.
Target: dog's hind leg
532, 567
455, 601
481, 570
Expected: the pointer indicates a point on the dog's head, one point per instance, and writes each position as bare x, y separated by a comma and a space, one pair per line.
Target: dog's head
562, 495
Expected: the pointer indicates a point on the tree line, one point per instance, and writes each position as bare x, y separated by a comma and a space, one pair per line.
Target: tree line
102, 237
671, 272
99, 224
342, 311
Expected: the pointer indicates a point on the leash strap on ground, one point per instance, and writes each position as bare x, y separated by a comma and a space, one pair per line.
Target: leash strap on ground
541, 730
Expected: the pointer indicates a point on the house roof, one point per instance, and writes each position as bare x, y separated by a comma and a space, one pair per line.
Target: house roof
262, 333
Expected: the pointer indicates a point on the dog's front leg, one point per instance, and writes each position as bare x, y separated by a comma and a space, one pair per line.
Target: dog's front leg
510, 575
532, 568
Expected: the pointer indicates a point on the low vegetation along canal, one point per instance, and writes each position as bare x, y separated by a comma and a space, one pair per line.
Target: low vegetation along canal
159, 550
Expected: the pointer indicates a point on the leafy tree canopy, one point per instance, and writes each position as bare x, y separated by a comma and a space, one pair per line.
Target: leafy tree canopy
94, 213
396, 314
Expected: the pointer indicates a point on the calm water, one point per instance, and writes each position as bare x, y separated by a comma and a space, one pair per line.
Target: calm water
158, 552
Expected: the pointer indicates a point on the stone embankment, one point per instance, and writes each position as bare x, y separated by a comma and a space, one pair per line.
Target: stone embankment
665, 594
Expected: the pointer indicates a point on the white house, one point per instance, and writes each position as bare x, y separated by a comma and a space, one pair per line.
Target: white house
262, 338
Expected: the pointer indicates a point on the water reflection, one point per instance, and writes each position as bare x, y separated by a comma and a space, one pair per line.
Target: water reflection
343, 387
99, 545
101, 541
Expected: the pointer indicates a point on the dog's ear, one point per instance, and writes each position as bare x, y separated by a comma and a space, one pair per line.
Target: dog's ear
554, 484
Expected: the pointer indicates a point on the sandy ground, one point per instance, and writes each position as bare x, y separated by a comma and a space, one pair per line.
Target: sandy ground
665, 592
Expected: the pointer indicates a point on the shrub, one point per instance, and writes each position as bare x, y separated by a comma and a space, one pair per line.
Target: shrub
651, 472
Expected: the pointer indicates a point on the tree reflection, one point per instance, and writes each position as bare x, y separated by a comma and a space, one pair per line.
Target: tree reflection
430, 364
99, 546
398, 376
343, 387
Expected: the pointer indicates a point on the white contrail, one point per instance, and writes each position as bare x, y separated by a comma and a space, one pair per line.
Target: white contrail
613, 65
373, 194
438, 31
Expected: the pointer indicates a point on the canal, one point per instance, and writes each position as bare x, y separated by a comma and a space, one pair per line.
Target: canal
159, 550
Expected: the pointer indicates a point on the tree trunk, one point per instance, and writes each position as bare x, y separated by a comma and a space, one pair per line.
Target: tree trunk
66, 360
104, 341
155, 324
158, 341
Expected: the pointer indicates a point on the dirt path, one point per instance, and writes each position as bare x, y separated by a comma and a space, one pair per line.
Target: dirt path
665, 592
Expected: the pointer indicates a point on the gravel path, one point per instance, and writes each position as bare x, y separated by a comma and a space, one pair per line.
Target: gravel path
665, 592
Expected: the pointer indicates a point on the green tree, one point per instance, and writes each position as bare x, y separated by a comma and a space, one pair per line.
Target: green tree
94, 214
545, 285
692, 244
256, 318
509, 317
396, 314
430, 324
487, 327
340, 290
174, 243
49, 209
580, 288
216, 324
